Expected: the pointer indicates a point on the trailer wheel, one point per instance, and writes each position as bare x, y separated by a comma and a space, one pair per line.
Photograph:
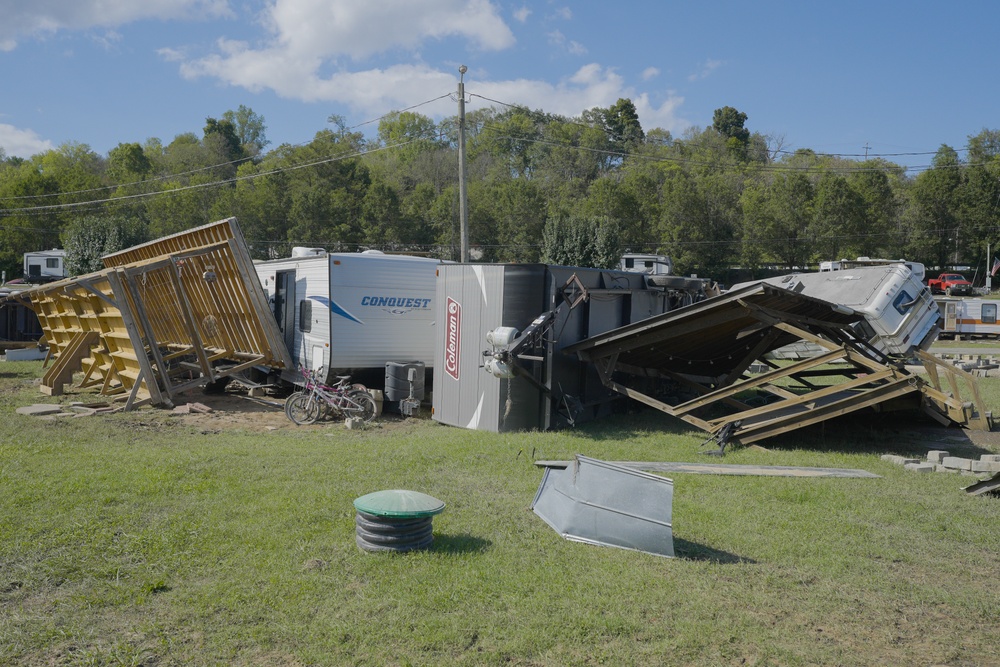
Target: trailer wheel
303, 408
947, 292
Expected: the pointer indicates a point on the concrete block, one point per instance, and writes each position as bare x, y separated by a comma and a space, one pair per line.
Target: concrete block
957, 462
990, 458
39, 409
985, 466
898, 460
940, 468
937, 455
354, 424
26, 354
919, 467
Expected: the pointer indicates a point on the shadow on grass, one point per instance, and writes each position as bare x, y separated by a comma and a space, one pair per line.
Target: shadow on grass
460, 544
695, 551
906, 434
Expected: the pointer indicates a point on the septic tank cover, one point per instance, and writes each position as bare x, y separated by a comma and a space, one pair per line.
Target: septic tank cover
399, 503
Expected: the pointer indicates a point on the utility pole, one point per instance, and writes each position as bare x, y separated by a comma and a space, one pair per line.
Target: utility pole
866, 147
989, 269
463, 199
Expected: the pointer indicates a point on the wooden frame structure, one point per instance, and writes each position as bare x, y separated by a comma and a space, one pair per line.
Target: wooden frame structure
161, 318
707, 348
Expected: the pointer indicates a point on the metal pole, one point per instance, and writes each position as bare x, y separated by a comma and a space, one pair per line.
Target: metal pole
989, 269
463, 200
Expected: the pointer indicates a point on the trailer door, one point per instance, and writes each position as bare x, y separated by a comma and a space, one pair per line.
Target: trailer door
284, 306
950, 316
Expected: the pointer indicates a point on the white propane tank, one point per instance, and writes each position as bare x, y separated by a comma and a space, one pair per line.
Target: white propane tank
501, 336
497, 368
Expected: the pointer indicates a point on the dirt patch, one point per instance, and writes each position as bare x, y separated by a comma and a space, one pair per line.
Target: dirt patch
236, 409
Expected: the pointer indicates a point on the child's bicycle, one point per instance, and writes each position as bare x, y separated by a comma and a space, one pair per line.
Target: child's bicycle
318, 400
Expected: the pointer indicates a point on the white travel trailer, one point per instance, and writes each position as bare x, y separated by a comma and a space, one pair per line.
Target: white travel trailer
899, 313
347, 312
916, 268
969, 317
45, 265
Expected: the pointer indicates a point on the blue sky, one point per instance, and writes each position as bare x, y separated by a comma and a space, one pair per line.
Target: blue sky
836, 77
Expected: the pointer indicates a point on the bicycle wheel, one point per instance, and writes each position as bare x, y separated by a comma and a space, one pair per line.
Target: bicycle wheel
302, 408
360, 405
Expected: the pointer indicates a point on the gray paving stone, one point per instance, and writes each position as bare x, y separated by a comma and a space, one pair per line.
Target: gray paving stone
39, 409
937, 455
985, 466
920, 467
957, 462
898, 460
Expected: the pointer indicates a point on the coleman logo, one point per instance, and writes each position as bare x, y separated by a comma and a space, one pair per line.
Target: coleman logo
453, 343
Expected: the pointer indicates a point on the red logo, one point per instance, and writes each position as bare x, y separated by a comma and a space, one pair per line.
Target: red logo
453, 341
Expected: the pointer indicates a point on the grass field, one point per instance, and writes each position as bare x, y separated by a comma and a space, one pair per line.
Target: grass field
139, 539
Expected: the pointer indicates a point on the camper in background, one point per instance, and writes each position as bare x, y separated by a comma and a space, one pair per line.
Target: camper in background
45, 266
916, 268
968, 317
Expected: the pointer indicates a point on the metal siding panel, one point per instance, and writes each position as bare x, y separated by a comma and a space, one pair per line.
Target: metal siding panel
381, 310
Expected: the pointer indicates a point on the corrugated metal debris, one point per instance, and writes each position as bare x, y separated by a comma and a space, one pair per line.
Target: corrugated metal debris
602, 503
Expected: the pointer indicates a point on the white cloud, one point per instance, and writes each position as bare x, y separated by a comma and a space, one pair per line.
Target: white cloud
706, 69
576, 48
590, 86
310, 37
564, 13
38, 18
22, 143
330, 28
521, 15
650, 73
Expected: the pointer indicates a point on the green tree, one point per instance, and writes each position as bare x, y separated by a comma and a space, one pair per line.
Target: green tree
936, 195
250, 130
90, 237
729, 122
838, 226
581, 242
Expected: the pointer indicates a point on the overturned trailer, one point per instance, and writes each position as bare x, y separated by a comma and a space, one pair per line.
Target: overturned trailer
502, 369
500, 363
868, 322
161, 318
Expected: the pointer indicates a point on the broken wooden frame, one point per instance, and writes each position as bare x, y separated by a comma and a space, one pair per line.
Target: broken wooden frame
161, 318
707, 348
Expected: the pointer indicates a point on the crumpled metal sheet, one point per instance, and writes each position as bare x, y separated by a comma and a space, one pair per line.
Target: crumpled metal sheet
602, 503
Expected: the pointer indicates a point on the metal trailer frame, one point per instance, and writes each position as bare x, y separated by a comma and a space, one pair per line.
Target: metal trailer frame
707, 349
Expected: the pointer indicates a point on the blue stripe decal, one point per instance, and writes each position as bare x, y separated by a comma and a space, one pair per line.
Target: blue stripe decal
336, 308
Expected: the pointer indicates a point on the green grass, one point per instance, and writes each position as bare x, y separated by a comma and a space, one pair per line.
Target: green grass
131, 539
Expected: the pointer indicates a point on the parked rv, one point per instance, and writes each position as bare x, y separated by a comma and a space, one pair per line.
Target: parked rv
45, 266
968, 317
916, 268
352, 312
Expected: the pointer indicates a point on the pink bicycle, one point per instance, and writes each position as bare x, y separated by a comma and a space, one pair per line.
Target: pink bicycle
318, 400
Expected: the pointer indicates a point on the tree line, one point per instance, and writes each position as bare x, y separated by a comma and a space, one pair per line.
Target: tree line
541, 187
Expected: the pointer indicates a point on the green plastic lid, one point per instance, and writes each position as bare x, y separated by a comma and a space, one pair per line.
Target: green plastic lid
399, 503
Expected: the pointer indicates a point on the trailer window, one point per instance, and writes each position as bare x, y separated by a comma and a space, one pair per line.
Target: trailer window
989, 315
305, 315
902, 302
